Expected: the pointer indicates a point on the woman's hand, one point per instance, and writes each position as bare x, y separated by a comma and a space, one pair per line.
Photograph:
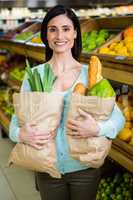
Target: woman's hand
85, 128
31, 135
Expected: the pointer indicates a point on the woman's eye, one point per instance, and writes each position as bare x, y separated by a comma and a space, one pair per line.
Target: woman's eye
52, 29
66, 29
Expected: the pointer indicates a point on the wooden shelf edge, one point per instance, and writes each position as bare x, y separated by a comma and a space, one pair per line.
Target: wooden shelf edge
4, 121
124, 146
121, 159
15, 84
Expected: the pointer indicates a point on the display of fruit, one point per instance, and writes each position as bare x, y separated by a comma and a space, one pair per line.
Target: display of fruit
123, 47
17, 73
36, 38
125, 135
117, 187
125, 102
6, 101
94, 39
24, 35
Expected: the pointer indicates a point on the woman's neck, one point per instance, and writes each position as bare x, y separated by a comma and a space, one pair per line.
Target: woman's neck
62, 63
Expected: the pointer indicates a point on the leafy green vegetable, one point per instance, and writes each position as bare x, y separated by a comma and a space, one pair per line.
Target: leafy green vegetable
38, 83
102, 89
35, 81
31, 77
48, 78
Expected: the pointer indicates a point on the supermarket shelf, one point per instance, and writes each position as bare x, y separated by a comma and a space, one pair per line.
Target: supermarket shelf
118, 72
13, 46
36, 51
4, 121
114, 71
14, 84
124, 146
121, 158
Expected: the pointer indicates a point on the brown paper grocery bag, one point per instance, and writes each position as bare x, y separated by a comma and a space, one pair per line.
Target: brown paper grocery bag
44, 110
98, 149
93, 150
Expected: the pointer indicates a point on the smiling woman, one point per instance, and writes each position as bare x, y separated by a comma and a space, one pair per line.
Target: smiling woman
60, 32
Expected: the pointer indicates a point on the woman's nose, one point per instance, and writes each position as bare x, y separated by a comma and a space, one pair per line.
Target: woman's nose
59, 34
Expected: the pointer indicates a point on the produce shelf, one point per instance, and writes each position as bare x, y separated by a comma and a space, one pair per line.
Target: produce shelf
116, 72
121, 157
4, 121
35, 51
124, 146
14, 84
13, 46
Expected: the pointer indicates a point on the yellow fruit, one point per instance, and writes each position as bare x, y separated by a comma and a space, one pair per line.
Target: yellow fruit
119, 46
131, 54
125, 134
112, 46
129, 46
123, 51
128, 113
128, 40
36, 40
111, 52
128, 124
104, 50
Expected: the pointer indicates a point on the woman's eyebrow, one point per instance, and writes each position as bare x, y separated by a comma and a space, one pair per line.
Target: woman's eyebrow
64, 26
51, 26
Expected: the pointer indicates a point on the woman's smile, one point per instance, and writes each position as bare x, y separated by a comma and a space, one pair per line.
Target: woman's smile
61, 34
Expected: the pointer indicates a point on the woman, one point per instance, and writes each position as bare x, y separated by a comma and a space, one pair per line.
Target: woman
60, 32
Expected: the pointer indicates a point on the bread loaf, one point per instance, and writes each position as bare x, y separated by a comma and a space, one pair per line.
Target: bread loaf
95, 71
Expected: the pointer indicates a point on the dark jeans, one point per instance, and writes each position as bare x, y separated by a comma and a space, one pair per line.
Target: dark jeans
72, 186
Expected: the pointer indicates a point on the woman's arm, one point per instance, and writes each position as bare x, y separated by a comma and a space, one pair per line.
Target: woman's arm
90, 127
111, 127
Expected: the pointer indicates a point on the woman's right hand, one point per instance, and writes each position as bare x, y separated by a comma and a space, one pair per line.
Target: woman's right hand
31, 135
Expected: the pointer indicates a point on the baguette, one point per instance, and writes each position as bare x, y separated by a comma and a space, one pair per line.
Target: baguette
94, 71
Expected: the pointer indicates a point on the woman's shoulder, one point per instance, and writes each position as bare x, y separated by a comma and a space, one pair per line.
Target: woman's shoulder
39, 67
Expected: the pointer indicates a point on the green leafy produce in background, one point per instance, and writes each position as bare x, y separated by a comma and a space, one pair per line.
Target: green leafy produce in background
118, 187
94, 39
24, 35
17, 73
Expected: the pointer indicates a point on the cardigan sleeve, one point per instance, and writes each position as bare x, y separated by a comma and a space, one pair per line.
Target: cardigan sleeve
111, 127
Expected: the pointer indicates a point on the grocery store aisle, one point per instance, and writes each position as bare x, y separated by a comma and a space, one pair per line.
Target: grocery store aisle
15, 183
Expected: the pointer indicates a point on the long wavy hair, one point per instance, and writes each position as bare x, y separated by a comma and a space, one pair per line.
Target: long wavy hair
53, 12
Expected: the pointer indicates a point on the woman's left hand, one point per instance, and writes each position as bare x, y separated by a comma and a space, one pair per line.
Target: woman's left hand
85, 128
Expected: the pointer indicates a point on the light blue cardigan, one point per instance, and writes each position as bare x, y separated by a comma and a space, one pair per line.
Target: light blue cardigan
108, 128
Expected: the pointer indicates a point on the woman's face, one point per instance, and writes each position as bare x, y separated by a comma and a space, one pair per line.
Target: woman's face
61, 34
